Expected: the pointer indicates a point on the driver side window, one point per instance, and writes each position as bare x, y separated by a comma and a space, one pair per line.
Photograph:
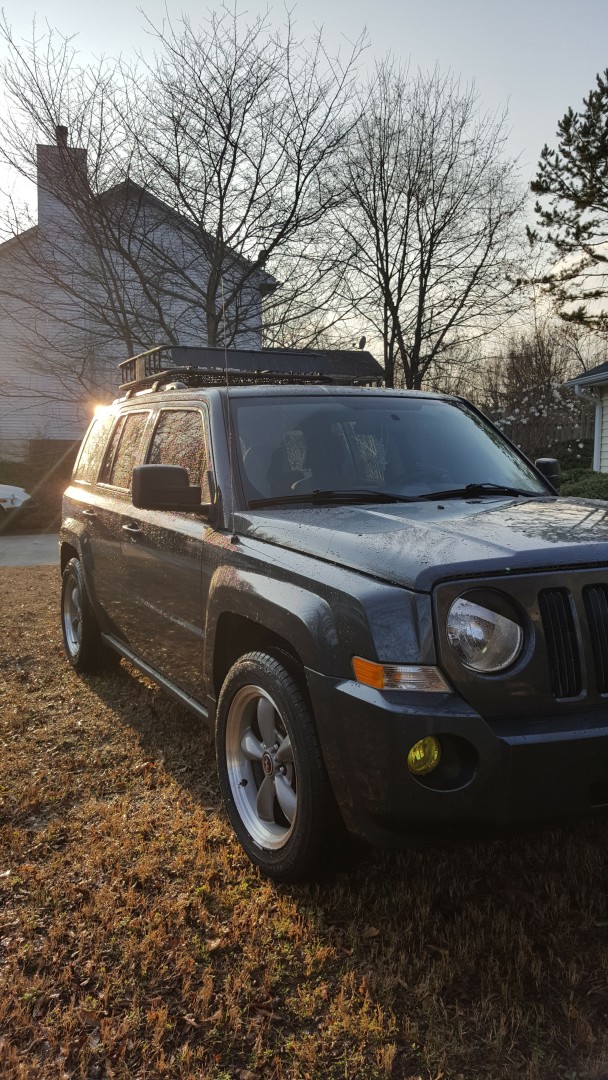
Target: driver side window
180, 439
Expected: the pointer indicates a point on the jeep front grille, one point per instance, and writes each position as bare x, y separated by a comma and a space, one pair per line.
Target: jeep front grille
563, 667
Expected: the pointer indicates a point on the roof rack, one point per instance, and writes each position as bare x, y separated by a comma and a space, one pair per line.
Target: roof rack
241, 367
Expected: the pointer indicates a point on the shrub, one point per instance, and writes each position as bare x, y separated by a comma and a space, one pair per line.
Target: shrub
574, 454
585, 484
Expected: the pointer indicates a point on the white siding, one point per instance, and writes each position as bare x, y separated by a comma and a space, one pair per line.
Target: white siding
604, 430
39, 399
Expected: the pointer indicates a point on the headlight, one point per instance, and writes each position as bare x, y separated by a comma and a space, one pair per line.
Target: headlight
482, 639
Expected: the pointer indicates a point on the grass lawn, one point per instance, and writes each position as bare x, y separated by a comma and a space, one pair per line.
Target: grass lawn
137, 942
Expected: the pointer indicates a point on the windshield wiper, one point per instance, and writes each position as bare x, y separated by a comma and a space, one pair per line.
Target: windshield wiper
475, 491
366, 495
327, 497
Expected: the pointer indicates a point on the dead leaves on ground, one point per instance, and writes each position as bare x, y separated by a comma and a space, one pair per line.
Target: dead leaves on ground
137, 943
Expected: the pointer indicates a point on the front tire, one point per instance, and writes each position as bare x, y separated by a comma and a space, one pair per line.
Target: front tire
271, 770
81, 635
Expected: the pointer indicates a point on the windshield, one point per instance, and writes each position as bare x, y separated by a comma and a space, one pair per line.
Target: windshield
408, 447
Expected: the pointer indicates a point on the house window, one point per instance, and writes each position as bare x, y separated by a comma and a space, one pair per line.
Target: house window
123, 451
179, 439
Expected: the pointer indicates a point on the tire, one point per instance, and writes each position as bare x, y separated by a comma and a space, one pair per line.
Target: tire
271, 771
81, 635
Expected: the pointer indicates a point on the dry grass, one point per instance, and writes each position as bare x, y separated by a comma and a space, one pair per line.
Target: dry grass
136, 941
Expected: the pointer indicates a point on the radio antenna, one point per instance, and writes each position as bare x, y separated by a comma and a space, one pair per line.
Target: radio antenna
230, 430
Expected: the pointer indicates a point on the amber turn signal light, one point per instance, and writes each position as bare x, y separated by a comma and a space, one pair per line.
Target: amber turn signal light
399, 676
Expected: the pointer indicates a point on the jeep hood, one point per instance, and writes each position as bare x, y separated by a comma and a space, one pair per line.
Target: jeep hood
418, 544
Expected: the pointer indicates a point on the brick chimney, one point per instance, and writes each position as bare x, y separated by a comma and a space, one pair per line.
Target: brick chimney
61, 172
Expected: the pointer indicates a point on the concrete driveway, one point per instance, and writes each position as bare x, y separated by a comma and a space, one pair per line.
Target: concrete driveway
29, 550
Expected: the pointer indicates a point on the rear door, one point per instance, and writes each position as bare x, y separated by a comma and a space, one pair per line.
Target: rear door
125, 449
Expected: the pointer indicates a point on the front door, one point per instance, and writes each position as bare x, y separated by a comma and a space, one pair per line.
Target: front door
163, 554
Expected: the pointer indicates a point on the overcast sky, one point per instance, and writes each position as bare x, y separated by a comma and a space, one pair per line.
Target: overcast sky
535, 56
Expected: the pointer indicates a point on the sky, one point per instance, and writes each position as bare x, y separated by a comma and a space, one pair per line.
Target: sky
536, 57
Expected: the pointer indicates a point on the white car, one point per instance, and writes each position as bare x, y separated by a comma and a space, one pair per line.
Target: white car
12, 498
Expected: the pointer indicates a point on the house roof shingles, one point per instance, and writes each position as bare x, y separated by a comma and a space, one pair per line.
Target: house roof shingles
596, 375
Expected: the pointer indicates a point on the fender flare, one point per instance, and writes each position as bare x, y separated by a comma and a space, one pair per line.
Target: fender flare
290, 611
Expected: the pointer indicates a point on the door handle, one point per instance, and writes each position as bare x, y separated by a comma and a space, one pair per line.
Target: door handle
89, 513
132, 530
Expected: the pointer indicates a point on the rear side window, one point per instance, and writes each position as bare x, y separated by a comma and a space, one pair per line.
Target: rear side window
180, 439
123, 451
91, 452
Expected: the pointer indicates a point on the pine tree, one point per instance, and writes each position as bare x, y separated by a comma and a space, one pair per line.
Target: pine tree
572, 183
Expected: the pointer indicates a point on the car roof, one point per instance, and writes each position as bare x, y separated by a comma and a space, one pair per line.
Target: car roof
192, 394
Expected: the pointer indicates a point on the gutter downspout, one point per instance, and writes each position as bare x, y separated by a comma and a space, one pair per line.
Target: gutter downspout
587, 392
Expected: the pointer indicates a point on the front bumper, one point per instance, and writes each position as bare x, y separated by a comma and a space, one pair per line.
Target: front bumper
491, 777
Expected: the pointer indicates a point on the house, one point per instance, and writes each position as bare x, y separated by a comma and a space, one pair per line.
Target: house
101, 277
593, 384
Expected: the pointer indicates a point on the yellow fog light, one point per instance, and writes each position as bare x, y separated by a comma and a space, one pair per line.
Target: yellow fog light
424, 756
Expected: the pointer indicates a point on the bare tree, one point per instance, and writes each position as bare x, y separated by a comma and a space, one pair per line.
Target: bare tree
208, 171
430, 218
250, 125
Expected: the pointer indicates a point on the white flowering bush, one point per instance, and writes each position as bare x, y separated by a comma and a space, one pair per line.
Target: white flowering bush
523, 390
550, 421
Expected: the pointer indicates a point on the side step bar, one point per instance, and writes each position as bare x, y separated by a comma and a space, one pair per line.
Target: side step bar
175, 692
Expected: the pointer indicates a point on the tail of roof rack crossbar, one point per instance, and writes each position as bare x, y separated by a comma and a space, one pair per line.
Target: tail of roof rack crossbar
214, 367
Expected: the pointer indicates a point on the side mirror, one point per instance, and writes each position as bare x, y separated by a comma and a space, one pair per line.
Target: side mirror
549, 467
165, 487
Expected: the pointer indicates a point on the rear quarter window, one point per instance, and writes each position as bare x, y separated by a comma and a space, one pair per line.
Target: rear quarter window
91, 451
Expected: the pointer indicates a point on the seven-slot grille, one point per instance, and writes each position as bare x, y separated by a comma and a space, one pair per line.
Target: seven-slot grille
557, 610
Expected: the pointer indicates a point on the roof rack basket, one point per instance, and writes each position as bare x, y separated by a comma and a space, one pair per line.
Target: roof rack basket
216, 367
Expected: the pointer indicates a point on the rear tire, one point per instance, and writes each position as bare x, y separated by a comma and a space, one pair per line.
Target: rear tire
81, 635
271, 770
